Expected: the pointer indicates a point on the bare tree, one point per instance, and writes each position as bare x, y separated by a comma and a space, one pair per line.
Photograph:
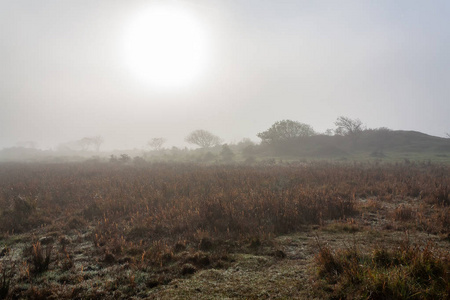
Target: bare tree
203, 138
156, 143
448, 135
97, 141
347, 126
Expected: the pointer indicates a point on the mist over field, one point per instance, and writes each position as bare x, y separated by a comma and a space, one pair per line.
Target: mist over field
75, 69
224, 149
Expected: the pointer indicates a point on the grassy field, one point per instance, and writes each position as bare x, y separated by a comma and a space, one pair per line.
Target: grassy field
177, 231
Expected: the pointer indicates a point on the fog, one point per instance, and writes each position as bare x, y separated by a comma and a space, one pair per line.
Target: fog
63, 76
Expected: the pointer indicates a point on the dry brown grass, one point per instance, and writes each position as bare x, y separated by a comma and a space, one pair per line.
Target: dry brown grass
406, 272
174, 220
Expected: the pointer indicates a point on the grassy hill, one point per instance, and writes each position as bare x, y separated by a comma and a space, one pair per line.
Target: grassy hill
382, 144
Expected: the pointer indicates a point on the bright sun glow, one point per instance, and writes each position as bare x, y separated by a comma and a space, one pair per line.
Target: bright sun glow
166, 47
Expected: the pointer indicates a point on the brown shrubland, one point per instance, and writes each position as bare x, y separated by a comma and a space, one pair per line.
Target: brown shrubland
181, 218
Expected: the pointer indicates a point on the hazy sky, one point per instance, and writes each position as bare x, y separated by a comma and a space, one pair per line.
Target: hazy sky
63, 75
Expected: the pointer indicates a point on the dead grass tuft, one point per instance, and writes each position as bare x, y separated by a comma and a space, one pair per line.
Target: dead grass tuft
40, 257
406, 272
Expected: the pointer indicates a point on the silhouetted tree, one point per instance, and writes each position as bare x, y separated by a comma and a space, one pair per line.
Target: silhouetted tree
349, 127
203, 138
285, 130
97, 141
247, 147
156, 143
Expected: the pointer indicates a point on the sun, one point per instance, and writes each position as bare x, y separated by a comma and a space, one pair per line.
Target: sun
165, 47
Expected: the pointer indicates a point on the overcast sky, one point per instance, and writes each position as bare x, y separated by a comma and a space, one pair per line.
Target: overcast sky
63, 76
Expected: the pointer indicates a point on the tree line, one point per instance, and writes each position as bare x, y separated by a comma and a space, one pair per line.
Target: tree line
280, 131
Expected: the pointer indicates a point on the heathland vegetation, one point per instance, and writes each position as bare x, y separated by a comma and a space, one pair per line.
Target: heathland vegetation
181, 230
351, 213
